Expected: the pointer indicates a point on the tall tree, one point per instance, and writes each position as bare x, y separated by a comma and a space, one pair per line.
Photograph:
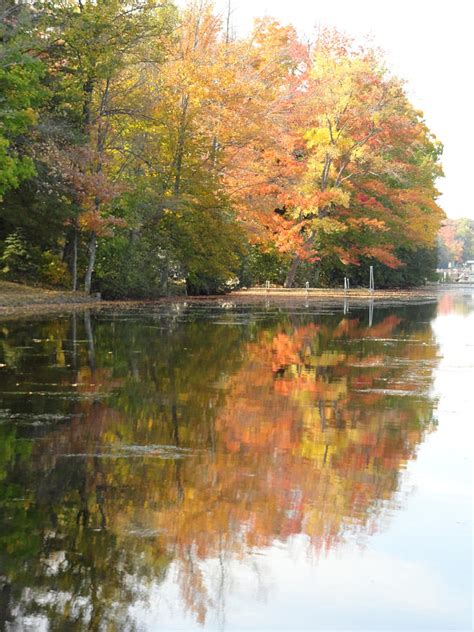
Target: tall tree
188, 147
91, 45
352, 172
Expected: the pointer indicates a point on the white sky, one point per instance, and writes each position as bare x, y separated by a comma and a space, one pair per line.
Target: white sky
430, 43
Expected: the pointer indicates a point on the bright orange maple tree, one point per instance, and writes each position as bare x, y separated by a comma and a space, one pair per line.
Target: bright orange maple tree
344, 165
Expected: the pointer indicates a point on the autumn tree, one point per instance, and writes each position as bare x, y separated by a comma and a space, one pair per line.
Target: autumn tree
360, 163
89, 46
178, 149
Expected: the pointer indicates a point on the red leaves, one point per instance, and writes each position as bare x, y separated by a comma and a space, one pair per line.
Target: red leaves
384, 254
84, 171
95, 222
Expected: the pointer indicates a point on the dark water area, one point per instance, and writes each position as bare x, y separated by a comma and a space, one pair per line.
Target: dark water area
238, 467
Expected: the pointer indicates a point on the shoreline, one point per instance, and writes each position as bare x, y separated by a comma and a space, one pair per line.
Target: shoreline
17, 301
365, 293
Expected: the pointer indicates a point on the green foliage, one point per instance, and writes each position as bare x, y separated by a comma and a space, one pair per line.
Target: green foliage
260, 264
128, 266
206, 244
129, 122
22, 261
418, 266
20, 94
17, 260
39, 208
54, 271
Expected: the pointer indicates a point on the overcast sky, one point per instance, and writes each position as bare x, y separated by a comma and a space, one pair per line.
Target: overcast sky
430, 43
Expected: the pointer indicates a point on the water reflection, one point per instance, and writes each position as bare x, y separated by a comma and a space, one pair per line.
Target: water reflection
131, 443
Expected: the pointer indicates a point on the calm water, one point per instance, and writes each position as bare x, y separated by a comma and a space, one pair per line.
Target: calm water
238, 468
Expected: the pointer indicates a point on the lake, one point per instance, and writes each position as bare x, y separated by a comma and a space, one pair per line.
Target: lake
230, 466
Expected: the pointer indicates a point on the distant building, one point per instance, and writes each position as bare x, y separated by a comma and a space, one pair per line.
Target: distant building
467, 273
457, 273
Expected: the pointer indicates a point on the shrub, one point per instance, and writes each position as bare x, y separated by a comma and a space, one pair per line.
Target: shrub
54, 271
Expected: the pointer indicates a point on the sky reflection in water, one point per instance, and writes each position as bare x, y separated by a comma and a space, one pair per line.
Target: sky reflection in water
238, 467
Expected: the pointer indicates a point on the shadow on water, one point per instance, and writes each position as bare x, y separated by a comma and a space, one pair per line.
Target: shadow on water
137, 441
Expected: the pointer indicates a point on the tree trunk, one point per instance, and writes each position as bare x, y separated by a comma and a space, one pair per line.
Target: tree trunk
90, 265
290, 278
164, 279
74, 260
317, 272
214, 148
180, 145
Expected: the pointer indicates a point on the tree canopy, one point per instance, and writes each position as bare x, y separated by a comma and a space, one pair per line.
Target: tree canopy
142, 134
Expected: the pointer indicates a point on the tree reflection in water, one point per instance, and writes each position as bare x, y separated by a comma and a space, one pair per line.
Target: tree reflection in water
131, 441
